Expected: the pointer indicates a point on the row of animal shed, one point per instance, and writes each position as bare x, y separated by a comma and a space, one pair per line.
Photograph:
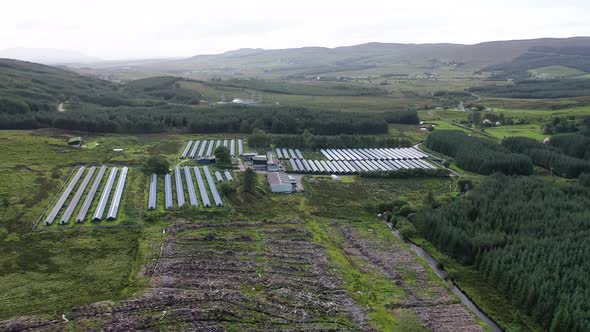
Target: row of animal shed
195, 149
355, 166
289, 154
87, 174
373, 154
184, 176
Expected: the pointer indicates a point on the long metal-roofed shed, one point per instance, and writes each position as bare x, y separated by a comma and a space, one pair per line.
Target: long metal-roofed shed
202, 188
292, 154
218, 143
240, 147
104, 197
210, 149
279, 154
202, 149
153, 195
186, 150
319, 166
116, 201
232, 148
218, 176
194, 149
299, 165
179, 187
228, 176
293, 165
90, 195
74, 202
168, 191
64, 196
285, 154
225, 142
190, 186
216, 196
299, 155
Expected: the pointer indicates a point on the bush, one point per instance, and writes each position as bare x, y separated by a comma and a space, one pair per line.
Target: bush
227, 188
406, 229
156, 165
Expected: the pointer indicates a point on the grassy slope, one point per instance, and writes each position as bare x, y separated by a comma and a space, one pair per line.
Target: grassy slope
555, 71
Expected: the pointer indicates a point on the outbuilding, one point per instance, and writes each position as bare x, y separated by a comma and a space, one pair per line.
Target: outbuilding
271, 163
280, 182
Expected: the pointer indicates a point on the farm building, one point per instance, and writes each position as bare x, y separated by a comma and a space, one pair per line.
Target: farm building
271, 163
281, 182
248, 156
75, 141
259, 162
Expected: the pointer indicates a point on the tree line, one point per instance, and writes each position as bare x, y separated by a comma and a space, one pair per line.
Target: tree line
478, 155
538, 89
546, 156
528, 237
213, 119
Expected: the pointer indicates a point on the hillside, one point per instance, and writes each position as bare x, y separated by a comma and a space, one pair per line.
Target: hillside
27, 86
371, 59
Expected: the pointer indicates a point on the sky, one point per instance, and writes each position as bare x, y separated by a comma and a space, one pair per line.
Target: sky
132, 29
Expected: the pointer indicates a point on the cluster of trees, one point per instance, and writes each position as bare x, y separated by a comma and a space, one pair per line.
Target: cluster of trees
156, 165
574, 145
558, 125
307, 140
407, 173
548, 157
168, 88
537, 89
478, 155
528, 237
403, 117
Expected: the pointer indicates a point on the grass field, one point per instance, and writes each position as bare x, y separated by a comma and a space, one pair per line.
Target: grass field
531, 130
555, 72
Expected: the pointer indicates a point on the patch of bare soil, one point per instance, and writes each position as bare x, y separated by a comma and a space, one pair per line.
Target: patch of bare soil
427, 297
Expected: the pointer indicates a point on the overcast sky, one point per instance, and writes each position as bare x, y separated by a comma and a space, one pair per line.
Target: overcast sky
122, 29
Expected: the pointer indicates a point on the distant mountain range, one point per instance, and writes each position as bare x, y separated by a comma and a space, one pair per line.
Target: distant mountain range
512, 59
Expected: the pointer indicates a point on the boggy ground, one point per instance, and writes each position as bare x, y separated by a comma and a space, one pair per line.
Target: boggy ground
272, 275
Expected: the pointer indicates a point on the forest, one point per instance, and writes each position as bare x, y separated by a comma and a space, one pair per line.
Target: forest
547, 156
478, 155
529, 237
537, 89
213, 119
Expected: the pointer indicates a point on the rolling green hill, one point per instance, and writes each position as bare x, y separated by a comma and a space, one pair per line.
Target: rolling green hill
371, 59
26, 86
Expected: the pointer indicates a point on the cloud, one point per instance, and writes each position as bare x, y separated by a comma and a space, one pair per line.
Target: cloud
113, 29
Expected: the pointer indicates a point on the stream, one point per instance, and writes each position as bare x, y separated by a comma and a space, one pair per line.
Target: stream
434, 265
